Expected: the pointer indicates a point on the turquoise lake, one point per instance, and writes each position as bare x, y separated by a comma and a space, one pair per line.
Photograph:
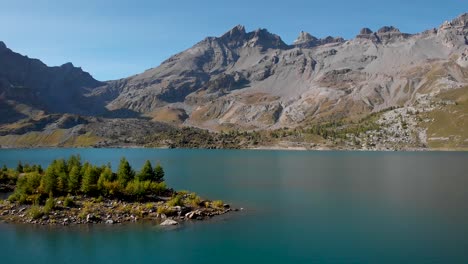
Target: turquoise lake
300, 207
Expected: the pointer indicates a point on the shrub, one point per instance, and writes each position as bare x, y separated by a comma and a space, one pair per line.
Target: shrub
19, 167
135, 188
68, 202
165, 210
176, 201
149, 206
113, 188
193, 200
49, 205
35, 212
157, 188
217, 204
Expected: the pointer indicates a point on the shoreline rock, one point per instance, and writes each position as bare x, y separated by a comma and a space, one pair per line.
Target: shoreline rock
88, 211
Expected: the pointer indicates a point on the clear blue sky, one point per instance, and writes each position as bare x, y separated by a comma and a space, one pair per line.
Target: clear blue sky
114, 39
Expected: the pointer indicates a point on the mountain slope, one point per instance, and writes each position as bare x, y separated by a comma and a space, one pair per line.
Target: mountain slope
31, 83
254, 80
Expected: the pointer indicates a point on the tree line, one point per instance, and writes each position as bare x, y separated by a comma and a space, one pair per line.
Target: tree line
72, 177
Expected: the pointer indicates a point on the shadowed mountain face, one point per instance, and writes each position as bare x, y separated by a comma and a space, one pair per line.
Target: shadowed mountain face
30, 82
255, 80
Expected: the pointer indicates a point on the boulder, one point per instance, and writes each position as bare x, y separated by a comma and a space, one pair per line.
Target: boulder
169, 222
197, 214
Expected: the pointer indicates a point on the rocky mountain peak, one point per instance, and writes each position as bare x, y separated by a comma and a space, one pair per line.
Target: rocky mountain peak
235, 33
304, 37
384, 35
460, 21
264, 39
2, 45
67, 65
306, 40
388, 29
365, 31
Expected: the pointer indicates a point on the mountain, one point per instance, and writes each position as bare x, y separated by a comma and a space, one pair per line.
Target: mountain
253, 81
31, 82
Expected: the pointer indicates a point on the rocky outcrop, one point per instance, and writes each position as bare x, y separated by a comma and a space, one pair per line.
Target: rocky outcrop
385, 35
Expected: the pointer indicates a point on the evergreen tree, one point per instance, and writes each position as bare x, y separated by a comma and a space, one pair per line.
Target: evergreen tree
90, 178
158, 173
106, 176
147, 173
62, 182
74, 179
125, 172
60, 166
49, 181
74, 161
4, 168
19, 168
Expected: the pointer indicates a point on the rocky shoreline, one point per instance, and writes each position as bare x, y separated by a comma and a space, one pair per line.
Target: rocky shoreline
109, 211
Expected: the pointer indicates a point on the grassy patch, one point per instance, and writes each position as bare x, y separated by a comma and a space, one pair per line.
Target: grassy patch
448, 128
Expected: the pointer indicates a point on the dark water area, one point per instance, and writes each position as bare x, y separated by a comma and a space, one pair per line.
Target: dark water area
300, 207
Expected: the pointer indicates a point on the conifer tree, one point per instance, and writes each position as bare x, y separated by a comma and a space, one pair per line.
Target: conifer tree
49, 181
158, 173
89, 181
125, 172
147, 173
74, 181
106, 176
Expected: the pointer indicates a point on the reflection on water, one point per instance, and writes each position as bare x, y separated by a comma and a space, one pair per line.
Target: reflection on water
302, 207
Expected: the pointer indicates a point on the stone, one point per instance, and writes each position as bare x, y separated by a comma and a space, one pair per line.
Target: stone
193, 214
110, 222
91, 218
169, 222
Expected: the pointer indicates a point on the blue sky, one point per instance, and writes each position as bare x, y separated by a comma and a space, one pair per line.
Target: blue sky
118, 38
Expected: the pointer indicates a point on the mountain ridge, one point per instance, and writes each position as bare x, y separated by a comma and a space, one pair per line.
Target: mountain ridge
252, 80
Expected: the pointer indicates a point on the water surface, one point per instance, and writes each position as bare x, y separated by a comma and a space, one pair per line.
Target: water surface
300, 207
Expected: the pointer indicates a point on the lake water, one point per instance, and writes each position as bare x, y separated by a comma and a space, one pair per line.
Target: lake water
300, 207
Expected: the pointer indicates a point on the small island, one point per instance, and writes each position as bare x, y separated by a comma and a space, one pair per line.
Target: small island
69, 192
